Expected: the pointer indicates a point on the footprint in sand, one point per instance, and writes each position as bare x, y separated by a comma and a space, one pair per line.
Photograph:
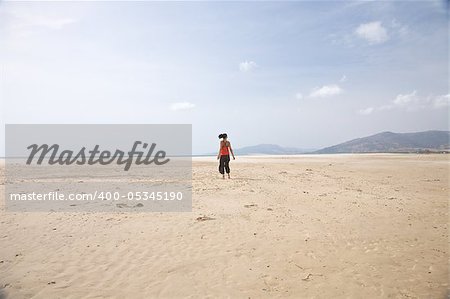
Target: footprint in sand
204, 218
122, 205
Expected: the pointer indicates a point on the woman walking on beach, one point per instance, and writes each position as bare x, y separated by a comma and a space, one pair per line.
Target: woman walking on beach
224, 155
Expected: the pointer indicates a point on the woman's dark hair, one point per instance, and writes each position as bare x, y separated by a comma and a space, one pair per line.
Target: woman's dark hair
224, 135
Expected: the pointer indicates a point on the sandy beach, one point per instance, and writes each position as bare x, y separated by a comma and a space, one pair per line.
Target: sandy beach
317, 226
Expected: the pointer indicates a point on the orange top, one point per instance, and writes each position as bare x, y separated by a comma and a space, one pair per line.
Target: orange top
224, 148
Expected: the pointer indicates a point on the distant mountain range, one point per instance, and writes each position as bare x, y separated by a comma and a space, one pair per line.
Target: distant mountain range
385, 142
388, 142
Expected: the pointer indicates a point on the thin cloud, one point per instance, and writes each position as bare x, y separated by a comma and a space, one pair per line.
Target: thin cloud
343, 78
366, 111
410, 102
406, 99
385, 107
442, 101
247, 66
326, 91
373, 32
182, 106
299, 96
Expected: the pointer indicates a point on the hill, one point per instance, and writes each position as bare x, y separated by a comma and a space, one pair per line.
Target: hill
388, 142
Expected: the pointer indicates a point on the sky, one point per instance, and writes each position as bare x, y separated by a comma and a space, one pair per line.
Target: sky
298, 74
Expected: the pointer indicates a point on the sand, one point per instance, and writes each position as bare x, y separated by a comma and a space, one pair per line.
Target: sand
331, 226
